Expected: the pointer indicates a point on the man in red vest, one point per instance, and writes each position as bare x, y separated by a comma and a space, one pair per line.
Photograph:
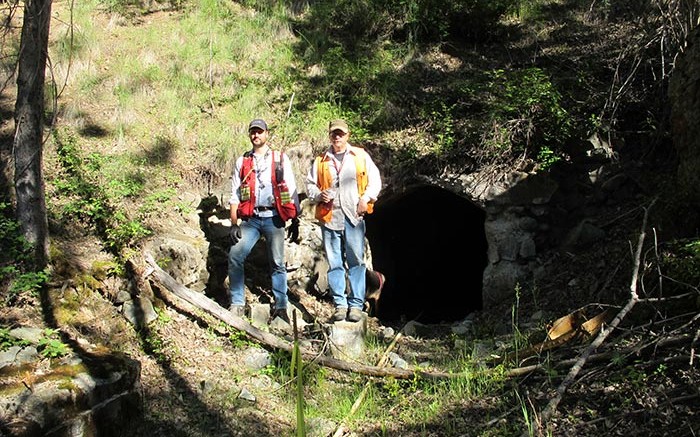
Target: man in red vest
264, 197
344, 183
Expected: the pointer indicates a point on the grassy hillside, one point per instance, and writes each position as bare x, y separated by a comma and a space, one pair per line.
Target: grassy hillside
153, 100
151, 97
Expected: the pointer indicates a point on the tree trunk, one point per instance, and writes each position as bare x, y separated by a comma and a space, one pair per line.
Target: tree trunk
28, 142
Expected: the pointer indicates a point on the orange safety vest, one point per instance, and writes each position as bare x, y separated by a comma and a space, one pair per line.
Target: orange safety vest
324, 180
283, 203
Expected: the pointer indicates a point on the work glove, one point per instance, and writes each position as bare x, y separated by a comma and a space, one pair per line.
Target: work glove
235, 234
293, 231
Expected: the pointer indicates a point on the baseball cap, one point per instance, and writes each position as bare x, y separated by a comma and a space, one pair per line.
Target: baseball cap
338, 125
259, 123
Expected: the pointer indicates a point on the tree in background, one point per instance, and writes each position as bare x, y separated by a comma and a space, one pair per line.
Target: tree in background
28, 141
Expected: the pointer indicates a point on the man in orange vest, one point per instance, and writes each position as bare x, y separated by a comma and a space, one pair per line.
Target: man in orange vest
344, 183
264, 197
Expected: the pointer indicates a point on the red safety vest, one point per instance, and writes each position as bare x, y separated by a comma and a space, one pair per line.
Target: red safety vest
284, 204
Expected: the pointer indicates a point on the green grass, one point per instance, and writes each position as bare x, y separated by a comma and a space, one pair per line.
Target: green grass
413, 402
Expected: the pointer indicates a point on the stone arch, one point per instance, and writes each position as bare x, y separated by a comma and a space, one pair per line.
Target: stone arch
431, 245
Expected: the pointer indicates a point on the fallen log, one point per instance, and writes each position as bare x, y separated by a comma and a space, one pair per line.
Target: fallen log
162, 278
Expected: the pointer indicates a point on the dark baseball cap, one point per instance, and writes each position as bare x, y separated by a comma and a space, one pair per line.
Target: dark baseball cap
259, 123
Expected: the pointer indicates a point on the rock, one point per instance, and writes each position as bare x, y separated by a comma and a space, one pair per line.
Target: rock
257, 358
347, 339
247, 395
102, 400
32, 335
139, 312
259, 314
183, 257
684, 92
396, 361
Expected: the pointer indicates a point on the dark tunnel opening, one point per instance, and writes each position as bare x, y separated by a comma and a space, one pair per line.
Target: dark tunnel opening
431, 246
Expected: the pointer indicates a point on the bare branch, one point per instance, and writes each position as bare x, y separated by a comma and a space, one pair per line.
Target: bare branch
554, 402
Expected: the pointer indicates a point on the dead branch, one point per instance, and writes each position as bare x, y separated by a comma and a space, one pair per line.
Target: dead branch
201, 301
604, 332
606, 357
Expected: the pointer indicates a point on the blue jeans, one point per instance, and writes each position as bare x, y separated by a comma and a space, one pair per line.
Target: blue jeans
341, 247
251, 231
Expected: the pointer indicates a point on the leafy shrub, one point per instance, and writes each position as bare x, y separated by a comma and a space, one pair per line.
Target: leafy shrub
356, 22
525, 118
50, 346
463, 19
83, 195
7, 340
29, 282
355, 45
16, 273
15, 248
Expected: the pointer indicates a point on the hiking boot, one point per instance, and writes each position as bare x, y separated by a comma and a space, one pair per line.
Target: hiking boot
355, 315
340, 314
237, 310
281, 313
